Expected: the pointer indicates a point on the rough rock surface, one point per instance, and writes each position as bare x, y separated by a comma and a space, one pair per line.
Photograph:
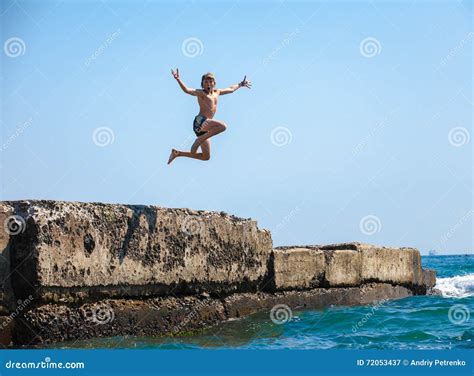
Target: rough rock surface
71, 249
172, 316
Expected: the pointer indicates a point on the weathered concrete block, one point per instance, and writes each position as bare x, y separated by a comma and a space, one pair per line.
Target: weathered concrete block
401, 266
343, 267
334, 265
72, 249
351, 264
298, 268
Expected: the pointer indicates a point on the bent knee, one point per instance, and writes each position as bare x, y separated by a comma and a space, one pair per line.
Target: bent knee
223, 126
206, 157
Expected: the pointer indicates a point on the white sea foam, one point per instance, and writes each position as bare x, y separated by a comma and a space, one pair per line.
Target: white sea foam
459, 286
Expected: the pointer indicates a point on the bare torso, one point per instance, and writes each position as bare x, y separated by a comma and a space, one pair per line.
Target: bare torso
208, 103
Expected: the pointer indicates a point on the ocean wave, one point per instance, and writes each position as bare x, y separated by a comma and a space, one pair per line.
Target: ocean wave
460, 286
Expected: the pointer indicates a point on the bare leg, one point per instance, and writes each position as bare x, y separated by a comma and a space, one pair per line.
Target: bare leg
212, 128
204, 156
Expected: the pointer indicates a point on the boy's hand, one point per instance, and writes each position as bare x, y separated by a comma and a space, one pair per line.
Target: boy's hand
175, 74
245, 83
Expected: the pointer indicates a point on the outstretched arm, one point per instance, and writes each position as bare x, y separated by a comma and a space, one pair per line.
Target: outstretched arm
233, 88
186, 89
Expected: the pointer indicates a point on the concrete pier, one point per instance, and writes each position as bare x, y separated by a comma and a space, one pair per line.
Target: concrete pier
74, 270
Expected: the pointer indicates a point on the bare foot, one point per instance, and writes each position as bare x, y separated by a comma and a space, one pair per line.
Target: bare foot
173, 155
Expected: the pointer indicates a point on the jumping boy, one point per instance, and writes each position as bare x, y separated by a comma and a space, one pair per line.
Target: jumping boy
204, 125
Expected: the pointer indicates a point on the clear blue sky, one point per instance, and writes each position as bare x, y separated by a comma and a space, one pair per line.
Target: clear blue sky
341, 138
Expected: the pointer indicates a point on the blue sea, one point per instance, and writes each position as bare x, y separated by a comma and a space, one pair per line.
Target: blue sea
419, 322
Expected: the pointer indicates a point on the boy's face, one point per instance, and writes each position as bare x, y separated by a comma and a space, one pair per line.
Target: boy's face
208, 83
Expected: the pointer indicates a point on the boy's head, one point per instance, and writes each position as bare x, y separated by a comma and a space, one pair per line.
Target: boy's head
208, 81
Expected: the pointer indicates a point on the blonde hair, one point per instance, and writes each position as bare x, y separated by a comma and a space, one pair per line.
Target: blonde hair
208, 75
